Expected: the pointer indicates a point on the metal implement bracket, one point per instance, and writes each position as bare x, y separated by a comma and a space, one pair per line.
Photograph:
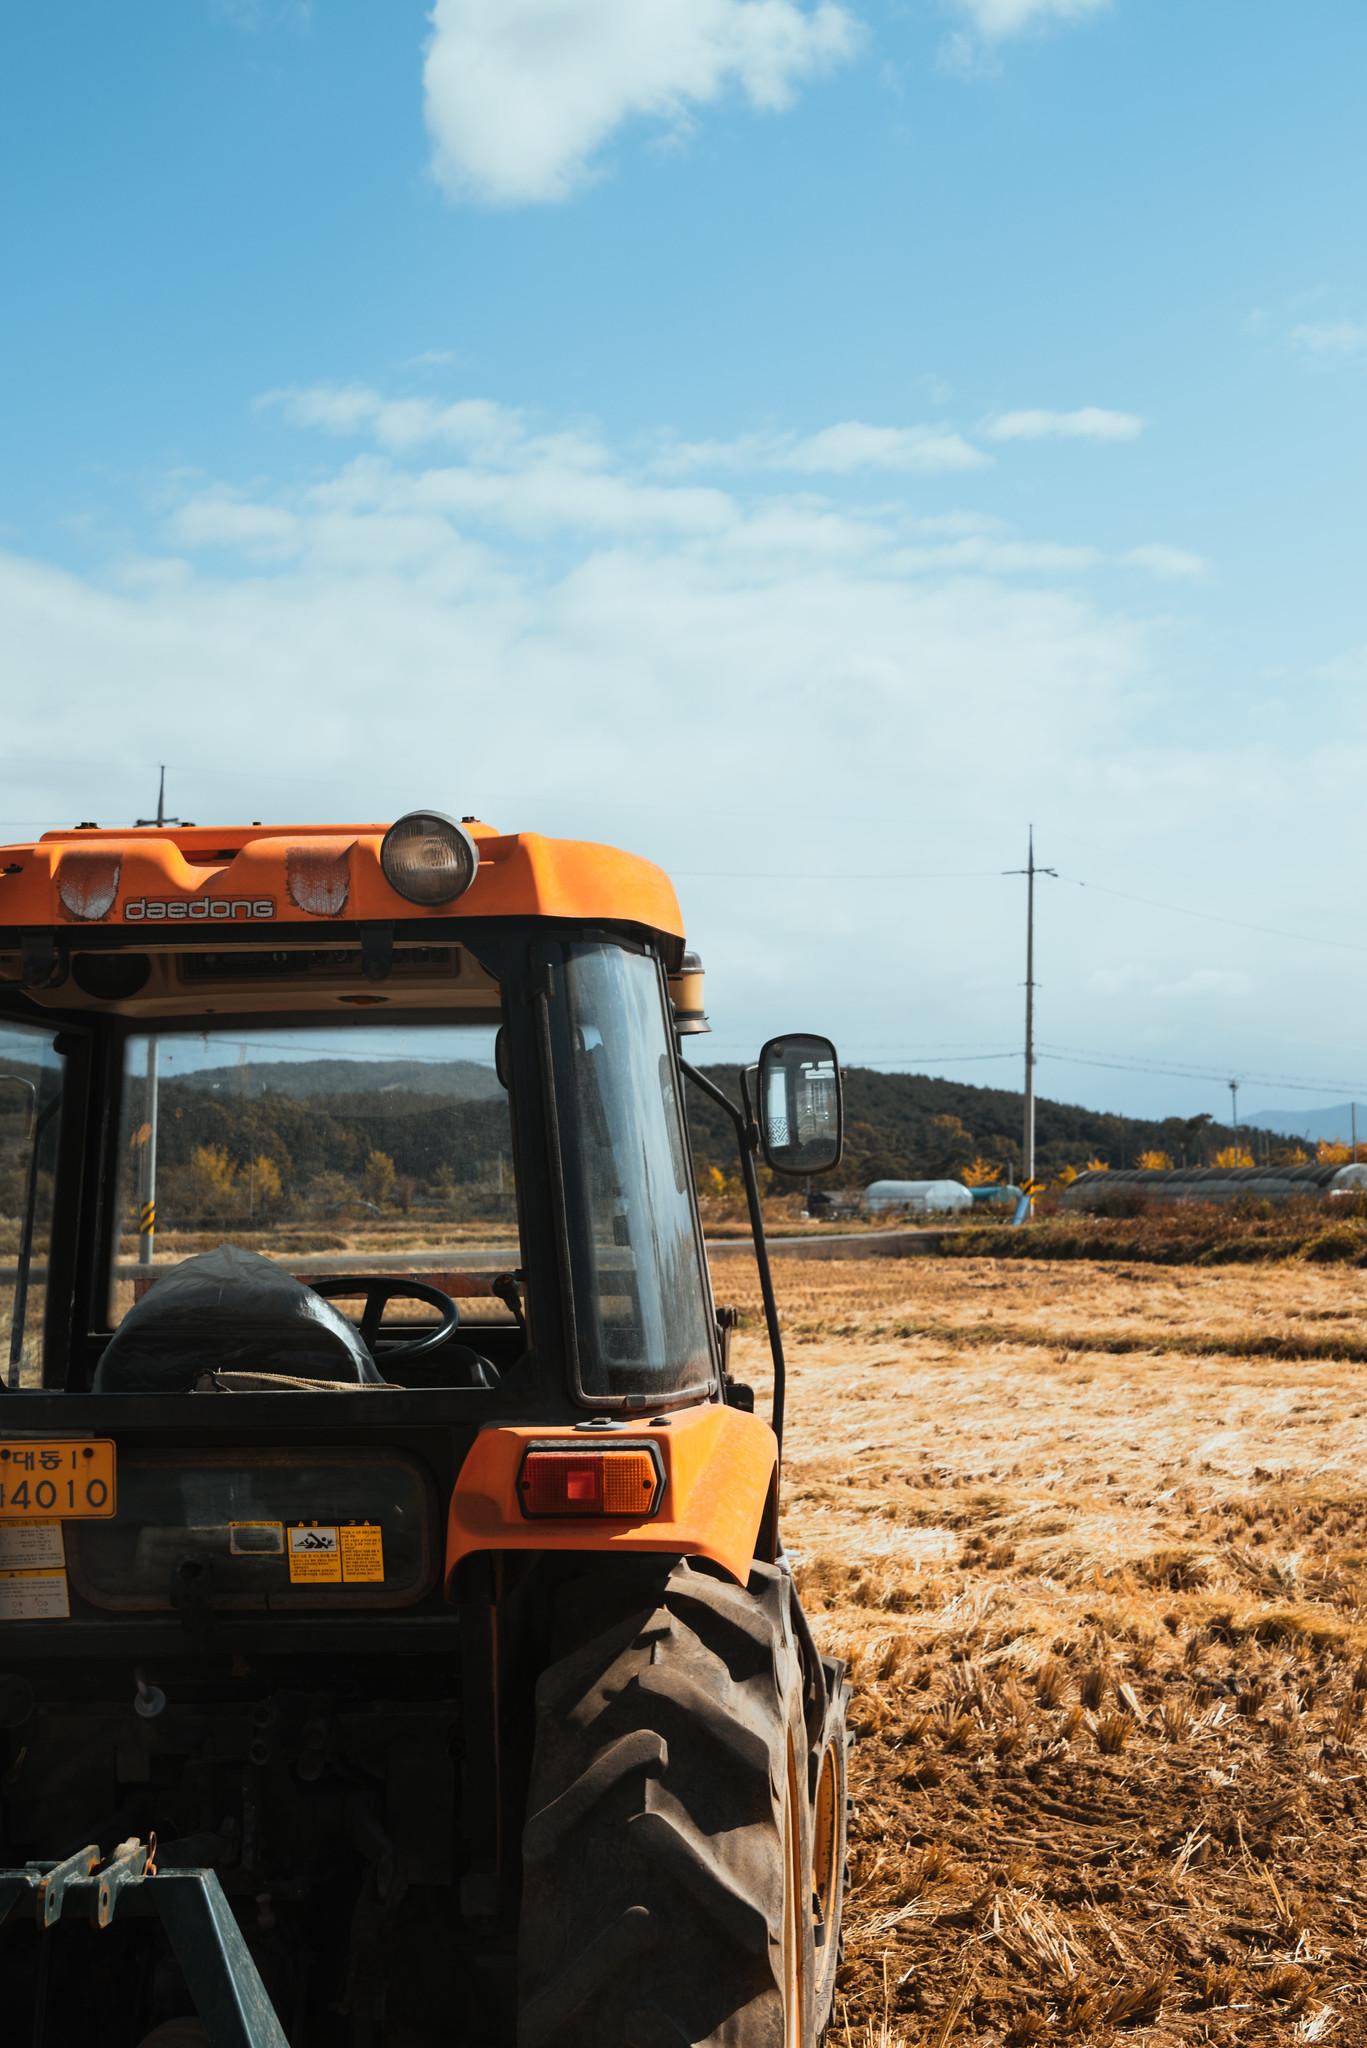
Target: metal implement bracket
200, 1926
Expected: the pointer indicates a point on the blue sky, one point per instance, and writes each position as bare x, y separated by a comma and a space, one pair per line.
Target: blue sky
801, 441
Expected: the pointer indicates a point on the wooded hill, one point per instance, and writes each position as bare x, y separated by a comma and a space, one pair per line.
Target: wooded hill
337, 1138
915, 1127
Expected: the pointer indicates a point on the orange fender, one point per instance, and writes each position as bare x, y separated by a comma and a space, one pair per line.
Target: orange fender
719, 1470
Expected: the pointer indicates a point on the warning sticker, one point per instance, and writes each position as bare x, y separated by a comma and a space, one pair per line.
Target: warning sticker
256, 1539
362, 1554
315, 1556
34, 1596
31, 1546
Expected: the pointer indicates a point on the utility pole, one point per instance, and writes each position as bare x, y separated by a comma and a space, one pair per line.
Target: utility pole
147, 1203
1030, 871
1353, 1113
147, 1194
1234, 1111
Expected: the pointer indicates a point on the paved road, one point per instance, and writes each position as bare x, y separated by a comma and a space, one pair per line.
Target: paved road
499, 1258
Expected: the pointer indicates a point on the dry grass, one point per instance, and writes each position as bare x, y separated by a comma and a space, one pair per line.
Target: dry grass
1106, 1606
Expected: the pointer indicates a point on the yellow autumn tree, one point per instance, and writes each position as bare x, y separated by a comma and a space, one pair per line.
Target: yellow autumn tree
1155, 1162
1066, 1175
1098, 1166
378, 1178
979, 1173
1330, 1153
1233, 1155
213, 1179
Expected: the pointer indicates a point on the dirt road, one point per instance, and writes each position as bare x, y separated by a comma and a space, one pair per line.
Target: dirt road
1094, 1538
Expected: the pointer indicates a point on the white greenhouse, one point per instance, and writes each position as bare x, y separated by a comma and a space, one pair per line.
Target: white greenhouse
1094, 1189
916, 1197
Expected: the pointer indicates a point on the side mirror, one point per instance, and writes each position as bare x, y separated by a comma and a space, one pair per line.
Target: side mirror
800, 1112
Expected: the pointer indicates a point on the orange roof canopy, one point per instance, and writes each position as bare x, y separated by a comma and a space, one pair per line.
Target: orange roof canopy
199, 877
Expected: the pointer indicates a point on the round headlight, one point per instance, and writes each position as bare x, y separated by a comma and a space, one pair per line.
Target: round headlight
428, 857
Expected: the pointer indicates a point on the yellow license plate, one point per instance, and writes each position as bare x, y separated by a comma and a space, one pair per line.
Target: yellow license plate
70, 1480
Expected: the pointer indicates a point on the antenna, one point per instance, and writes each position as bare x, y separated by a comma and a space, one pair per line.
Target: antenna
147, 1203
161, 817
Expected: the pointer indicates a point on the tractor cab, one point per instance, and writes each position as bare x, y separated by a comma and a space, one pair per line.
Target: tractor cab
360, 1366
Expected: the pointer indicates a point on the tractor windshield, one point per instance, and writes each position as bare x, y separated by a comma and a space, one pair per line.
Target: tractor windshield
330, 1149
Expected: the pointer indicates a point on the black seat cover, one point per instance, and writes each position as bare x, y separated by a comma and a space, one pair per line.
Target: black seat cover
230, 1311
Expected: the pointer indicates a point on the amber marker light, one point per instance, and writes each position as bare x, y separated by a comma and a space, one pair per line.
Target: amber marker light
610, 1479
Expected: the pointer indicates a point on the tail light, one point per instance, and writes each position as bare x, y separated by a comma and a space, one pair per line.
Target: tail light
560, 1479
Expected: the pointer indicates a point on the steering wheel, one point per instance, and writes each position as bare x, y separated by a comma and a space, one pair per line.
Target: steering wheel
381, 1288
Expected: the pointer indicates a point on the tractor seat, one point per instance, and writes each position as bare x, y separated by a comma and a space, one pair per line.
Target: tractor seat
230, 1311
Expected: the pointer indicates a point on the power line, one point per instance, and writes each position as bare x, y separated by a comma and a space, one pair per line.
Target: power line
949, 1059
982, 1048
835, 875
1124, 1064
1270, 931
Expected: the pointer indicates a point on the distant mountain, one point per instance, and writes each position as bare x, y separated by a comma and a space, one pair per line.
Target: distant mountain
1335, 1124
311, 1114
464, 1080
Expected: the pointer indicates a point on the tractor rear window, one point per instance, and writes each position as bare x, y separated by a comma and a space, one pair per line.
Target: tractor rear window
387, 1149
640, 1286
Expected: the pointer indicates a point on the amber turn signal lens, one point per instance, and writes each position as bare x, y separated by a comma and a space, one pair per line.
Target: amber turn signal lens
608, 1480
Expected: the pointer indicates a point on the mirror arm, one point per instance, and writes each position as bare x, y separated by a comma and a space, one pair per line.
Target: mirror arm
747, 1141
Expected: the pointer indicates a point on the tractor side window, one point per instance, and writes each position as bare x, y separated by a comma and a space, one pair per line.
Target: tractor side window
640, 1289
30, 1111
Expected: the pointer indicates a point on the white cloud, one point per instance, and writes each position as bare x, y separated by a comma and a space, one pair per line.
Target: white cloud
539, 496
512, 480
1087, 423
355, 410
618, 661
995, 20
1331, 337
394, 598
223, 518
1202, 983
522, 94
999, 557
833, 451
1178, 563
503, 628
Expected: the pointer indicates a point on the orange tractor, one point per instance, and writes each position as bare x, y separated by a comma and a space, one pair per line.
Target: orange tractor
429, 1672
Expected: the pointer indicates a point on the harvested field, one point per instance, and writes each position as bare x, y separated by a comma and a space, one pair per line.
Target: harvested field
1093, 1539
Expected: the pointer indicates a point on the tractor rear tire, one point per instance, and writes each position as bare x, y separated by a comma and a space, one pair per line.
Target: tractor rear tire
667, 1871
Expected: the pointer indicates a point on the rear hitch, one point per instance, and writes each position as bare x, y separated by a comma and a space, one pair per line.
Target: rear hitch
205, 1938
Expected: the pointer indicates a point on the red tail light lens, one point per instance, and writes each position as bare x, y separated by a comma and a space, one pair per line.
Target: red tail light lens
609, 1479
